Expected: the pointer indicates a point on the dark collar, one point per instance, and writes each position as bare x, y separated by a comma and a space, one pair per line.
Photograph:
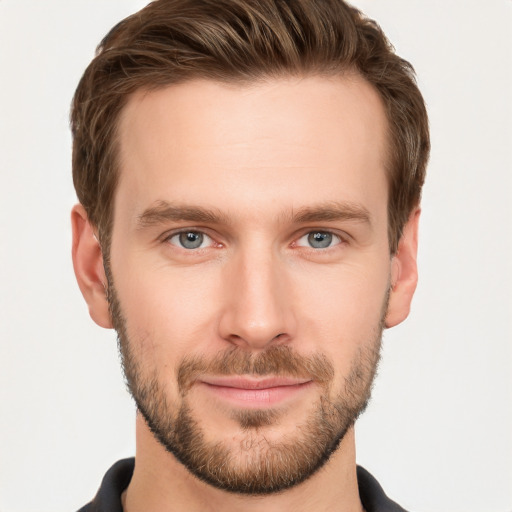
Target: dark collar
118, 477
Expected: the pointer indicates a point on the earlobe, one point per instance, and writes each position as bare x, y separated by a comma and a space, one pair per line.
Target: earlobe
404, 273
88, 266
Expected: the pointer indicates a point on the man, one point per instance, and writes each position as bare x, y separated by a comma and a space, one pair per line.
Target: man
249, 176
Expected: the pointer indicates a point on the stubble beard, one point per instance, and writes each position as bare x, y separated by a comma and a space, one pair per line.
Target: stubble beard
257, 465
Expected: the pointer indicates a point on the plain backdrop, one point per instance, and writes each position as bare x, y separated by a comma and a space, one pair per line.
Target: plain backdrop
438, 433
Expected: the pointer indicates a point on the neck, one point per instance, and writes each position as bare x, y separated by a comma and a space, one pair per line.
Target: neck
161, 483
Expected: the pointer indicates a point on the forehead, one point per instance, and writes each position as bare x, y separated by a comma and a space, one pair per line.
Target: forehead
275, 139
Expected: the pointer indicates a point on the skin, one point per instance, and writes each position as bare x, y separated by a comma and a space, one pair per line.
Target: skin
255, 155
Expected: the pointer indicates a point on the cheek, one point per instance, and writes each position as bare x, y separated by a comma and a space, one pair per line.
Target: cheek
341, 310
169, 312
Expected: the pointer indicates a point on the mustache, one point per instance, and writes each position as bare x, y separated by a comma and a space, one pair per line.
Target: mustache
275, 361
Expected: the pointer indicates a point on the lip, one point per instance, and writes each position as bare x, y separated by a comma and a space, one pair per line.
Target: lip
247, 382
254, 393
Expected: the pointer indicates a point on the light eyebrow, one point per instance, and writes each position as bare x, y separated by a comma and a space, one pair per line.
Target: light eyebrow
332, 211
163, 211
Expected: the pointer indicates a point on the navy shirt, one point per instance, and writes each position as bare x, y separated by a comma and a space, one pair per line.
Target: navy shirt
119, 475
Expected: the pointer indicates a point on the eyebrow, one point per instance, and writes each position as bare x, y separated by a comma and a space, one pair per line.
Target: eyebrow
331, 211
164, 211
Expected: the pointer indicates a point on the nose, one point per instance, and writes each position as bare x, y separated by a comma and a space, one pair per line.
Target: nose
257, 310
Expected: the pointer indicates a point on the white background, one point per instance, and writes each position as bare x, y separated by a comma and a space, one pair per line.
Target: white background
438, 434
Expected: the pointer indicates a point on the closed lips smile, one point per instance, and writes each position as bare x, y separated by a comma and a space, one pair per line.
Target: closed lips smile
254, 392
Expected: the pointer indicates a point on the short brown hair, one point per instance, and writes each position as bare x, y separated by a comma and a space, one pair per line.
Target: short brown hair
172, 41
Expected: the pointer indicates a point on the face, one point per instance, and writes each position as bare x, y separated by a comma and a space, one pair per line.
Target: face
249, 270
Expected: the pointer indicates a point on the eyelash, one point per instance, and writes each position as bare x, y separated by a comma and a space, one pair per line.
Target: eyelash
338, 239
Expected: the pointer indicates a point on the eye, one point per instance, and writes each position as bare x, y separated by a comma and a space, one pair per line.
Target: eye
190, 240
319, 240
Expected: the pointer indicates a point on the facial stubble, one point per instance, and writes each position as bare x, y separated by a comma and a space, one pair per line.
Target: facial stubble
258, 465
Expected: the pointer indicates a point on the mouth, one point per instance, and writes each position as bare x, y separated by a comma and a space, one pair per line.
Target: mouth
254, 392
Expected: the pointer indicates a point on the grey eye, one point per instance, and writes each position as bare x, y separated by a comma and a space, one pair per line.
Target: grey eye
320, 239
188, 239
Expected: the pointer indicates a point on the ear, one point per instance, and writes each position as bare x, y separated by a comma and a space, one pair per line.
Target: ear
88, 265
404, 273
